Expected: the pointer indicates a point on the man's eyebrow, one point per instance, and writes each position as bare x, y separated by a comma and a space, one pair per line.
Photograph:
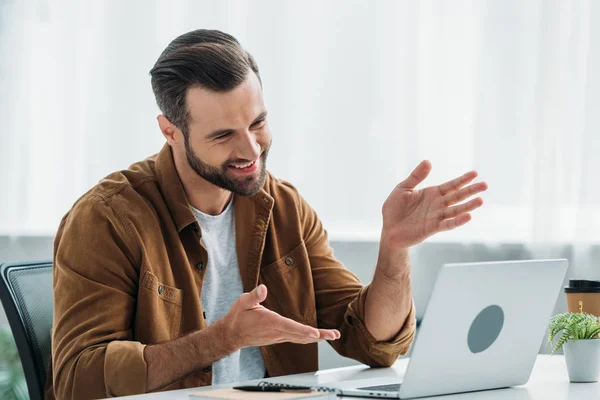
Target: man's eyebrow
261, 116
220, 132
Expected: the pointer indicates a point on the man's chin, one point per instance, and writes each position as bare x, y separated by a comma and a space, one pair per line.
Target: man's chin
249, 186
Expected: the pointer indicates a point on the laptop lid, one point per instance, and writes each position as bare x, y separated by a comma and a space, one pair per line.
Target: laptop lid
482, 329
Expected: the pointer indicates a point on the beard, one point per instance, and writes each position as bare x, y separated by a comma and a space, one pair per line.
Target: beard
220, 176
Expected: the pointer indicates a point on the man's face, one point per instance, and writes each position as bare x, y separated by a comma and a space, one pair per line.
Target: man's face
228, 136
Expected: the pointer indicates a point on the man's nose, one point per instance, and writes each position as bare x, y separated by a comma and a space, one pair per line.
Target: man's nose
248, 146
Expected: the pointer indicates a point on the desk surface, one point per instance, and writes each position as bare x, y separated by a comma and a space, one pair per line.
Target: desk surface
549, 380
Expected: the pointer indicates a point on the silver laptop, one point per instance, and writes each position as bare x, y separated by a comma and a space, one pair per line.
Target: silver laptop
482, 329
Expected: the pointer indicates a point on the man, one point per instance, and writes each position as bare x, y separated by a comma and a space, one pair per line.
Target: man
196, 266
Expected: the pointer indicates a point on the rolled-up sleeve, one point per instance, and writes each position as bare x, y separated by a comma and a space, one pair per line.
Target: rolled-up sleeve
95, 290
340, 301
383, 353
125, 368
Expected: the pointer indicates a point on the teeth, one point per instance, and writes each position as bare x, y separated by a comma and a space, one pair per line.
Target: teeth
243, 166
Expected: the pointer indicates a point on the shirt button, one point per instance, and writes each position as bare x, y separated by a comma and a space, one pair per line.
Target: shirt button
289, 261
265, 200
207, 369
161, 289
195, 228
201, 265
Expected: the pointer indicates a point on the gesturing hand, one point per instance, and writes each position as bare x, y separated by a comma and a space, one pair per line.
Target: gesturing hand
250, 324
410, 215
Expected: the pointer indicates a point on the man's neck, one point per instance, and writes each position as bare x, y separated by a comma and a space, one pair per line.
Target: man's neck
201, 194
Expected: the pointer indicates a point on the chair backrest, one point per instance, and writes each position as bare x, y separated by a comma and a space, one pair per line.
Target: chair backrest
26, 294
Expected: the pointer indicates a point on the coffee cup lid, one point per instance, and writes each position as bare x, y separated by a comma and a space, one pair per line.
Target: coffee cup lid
582, 286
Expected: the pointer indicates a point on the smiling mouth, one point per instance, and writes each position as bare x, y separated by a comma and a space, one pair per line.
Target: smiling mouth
246, 168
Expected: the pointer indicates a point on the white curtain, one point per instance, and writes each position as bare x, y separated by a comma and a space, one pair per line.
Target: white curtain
358, 93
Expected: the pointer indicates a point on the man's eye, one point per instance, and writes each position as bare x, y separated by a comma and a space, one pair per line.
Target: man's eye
259, 123
223, 136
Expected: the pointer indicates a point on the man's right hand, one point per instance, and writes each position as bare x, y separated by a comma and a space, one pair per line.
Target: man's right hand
246, 324
250, 324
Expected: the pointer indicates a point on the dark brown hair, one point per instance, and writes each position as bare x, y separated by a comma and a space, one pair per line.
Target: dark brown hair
209, 59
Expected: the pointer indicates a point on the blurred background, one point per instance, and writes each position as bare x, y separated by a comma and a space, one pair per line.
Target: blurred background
358, 93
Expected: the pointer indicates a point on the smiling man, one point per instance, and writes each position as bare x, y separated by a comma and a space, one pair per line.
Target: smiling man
196, 266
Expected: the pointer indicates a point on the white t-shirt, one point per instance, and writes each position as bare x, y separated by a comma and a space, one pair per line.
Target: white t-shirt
221, 287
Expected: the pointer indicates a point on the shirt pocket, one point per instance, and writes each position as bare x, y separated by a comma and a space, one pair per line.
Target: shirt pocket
290, 285
160, 309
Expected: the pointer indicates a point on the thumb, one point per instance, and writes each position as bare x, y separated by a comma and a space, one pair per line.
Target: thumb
253, 298
417, 176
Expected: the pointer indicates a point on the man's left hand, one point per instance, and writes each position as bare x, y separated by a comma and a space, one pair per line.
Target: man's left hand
410, 215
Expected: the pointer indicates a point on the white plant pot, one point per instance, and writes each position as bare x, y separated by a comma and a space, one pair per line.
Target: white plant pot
583, 360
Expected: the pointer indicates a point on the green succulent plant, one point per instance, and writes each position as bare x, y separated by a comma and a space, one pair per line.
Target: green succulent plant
12, 379
572, 326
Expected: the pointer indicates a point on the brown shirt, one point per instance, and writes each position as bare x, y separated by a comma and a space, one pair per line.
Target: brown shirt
128, 270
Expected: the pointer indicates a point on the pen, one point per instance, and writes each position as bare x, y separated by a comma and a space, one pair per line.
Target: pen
302, 389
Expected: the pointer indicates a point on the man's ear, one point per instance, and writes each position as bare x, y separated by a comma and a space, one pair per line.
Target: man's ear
169, 130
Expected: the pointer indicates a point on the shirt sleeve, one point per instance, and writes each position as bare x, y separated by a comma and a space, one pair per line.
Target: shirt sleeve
340, 302
95, 290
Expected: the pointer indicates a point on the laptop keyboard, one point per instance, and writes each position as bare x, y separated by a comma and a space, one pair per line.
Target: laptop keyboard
394, 387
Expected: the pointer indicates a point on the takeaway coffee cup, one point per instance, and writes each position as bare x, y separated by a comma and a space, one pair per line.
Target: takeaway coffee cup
583, 296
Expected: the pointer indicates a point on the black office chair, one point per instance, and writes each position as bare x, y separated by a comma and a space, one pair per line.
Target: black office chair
26, 294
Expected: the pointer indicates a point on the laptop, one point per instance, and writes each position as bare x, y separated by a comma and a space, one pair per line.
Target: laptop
482, 329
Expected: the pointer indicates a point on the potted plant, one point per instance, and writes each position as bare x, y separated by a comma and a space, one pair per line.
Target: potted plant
579, 336
12, 380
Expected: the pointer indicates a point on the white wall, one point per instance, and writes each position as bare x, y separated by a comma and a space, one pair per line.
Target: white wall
358, 93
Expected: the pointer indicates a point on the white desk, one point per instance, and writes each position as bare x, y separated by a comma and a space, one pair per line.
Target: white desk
549, 381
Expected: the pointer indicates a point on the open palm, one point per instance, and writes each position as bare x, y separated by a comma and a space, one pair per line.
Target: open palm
411, 215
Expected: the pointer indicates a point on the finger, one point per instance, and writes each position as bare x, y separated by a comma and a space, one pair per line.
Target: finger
295, 328
452, 212
329, 334
283, 337
457, 183
325, 334
417, 176
449, 224
252, 299
459, 195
